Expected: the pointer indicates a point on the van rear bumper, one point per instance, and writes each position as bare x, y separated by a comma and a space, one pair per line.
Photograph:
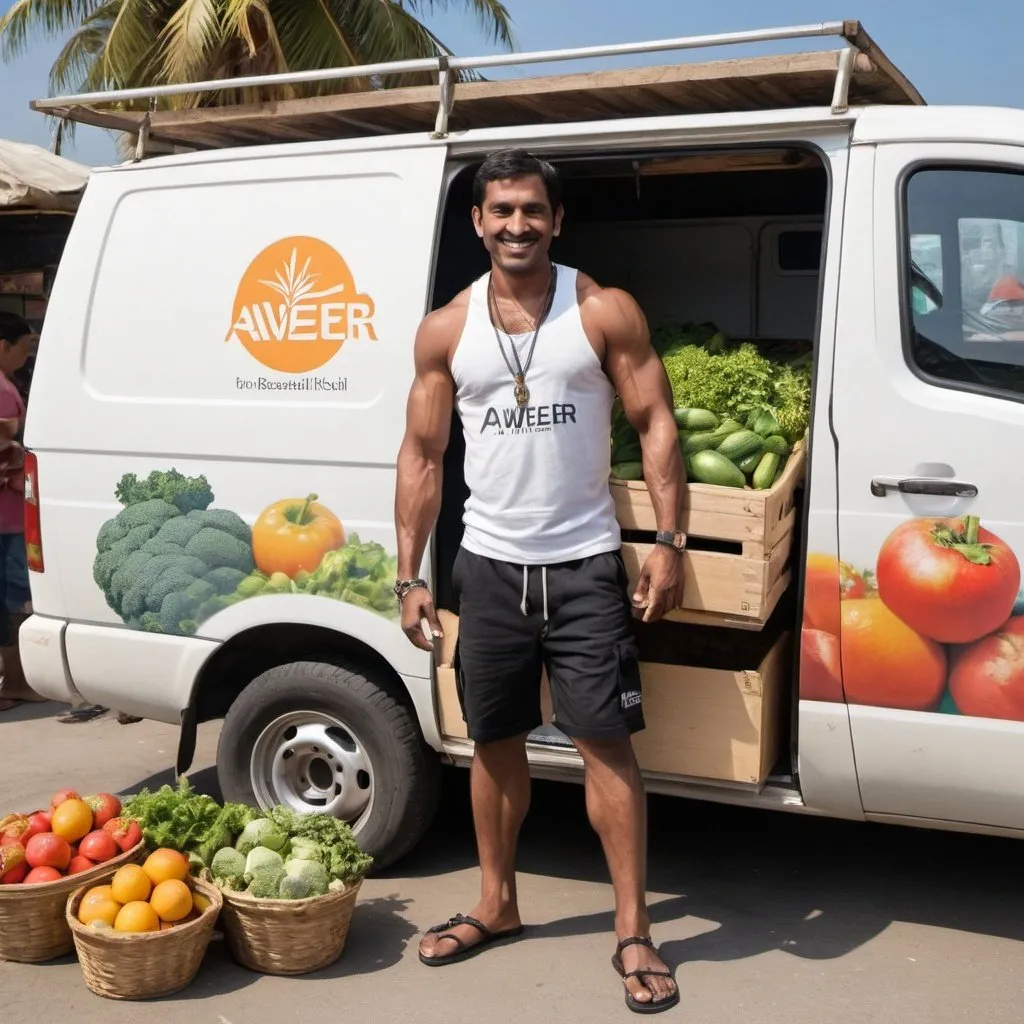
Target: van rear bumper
44, 660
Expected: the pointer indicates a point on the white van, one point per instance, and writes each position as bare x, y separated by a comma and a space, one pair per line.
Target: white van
220, 394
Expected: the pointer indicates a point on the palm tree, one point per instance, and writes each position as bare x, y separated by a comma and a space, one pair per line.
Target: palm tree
117, 44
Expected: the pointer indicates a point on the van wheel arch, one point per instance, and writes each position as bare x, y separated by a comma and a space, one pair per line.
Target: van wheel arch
268, 658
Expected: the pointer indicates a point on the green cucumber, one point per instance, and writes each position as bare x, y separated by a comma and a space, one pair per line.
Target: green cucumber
728, 426
778, 444
695, 419
748, 464
710, 467
697, 443
767, 470
762, 422
628, 471
740, 444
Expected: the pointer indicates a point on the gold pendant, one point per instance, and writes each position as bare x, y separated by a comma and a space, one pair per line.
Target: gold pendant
521, 391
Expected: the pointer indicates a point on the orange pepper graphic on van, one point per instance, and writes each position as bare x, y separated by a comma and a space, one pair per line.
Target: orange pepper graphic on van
293, 535
297, 305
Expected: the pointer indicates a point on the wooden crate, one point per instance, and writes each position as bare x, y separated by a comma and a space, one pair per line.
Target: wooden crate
738, 589
701, 723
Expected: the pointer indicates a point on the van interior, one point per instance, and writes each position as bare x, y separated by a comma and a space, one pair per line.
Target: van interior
733, 238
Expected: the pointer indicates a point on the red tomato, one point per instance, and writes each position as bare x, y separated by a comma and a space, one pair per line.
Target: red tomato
79, 864
988, 678
826, 582
948, 579
38, 821
60, 796
104, 807
820, 672
48, 850
15, 875
44, 874
885, 663
99, 846
126, 832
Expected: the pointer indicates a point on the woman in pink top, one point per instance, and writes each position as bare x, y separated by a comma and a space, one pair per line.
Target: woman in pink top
16, 341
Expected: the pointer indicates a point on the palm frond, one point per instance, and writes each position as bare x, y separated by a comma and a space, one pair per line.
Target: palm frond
27, 19
492, 15
187, 39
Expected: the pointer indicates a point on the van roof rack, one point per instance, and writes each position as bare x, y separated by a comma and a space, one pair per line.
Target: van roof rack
857, 73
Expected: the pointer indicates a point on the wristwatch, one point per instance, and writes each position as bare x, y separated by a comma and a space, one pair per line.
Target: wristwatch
402, 587
674, 539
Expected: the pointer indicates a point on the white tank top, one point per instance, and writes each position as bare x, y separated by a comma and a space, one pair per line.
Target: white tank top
537, 476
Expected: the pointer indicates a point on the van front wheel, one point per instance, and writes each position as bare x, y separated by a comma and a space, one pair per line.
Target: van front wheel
322, 738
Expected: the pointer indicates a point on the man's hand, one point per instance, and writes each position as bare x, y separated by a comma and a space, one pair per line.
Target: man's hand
419, 619
659, 590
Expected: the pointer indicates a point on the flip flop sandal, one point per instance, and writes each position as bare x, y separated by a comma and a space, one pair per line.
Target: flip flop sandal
655, 1005
463, 951
84, 714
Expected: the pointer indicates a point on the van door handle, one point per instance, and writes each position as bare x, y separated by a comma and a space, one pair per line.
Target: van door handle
943, 487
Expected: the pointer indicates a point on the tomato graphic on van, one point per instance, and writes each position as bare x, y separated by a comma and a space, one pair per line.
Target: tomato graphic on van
936, 625
168, 561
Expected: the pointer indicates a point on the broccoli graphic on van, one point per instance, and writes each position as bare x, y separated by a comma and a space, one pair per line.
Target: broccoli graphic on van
167, 561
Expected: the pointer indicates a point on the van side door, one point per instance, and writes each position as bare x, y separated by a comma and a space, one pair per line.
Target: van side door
928, 413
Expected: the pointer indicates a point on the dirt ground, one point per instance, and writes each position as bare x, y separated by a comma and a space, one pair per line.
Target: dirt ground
770, 918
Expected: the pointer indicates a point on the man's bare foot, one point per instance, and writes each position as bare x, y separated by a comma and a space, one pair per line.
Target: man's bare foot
459, 935
649, 990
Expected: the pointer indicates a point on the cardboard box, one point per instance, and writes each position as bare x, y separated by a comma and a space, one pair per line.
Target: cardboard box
717, 724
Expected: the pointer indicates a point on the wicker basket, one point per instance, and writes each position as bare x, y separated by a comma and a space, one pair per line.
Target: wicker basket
33, 927
288, 936
143, 965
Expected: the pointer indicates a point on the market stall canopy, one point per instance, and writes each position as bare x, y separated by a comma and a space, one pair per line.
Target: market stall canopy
31, 178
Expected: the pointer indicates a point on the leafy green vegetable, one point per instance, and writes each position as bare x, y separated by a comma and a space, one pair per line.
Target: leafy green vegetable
260, 858
338, 850
260, 832
735, 379
311, 873
265, 882
182, 819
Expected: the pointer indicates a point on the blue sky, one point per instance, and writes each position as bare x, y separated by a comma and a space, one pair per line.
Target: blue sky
954, 53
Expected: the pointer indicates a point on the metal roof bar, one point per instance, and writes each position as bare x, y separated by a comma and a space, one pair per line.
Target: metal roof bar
443, 64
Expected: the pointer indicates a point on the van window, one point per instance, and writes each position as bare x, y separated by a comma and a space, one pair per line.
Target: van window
964, 277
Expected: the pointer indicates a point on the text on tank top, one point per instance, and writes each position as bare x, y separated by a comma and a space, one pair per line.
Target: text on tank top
538, 475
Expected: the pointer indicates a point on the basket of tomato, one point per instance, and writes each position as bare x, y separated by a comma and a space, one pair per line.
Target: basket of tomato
47, 854
141, 931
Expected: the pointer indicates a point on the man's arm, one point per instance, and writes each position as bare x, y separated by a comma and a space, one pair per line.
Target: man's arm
639, 378
420, 467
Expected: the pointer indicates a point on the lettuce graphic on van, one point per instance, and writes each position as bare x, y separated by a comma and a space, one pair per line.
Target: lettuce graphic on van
297, 304
168, 561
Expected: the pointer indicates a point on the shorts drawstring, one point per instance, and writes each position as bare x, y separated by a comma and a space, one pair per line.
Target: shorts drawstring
543, 587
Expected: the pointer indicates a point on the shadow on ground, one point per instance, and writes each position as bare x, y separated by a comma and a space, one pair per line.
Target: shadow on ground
752, 881
761, 880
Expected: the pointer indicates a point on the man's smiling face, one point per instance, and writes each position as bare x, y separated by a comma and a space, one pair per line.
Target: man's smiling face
516, 223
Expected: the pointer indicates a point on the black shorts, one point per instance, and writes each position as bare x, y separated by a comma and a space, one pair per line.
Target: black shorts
585, 641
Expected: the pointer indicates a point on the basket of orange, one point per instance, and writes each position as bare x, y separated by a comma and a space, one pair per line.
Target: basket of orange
47, 854
142, 932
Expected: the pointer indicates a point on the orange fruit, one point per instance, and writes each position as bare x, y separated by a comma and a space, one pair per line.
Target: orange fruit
887, 664
137, 916
72, 820
98, 892
130, 884
172, 900
163, 865
104, 910
200, 903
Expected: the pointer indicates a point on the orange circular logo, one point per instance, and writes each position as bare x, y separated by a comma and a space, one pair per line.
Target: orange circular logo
297, 304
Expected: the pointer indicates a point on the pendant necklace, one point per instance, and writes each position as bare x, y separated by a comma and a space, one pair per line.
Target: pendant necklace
520, 390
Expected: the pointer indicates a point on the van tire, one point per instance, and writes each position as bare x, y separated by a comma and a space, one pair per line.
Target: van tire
406, 774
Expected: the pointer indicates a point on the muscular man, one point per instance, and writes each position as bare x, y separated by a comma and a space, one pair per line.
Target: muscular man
533, 354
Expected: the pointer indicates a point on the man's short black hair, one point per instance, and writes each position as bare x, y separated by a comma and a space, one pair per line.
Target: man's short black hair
13, 327
517, 163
